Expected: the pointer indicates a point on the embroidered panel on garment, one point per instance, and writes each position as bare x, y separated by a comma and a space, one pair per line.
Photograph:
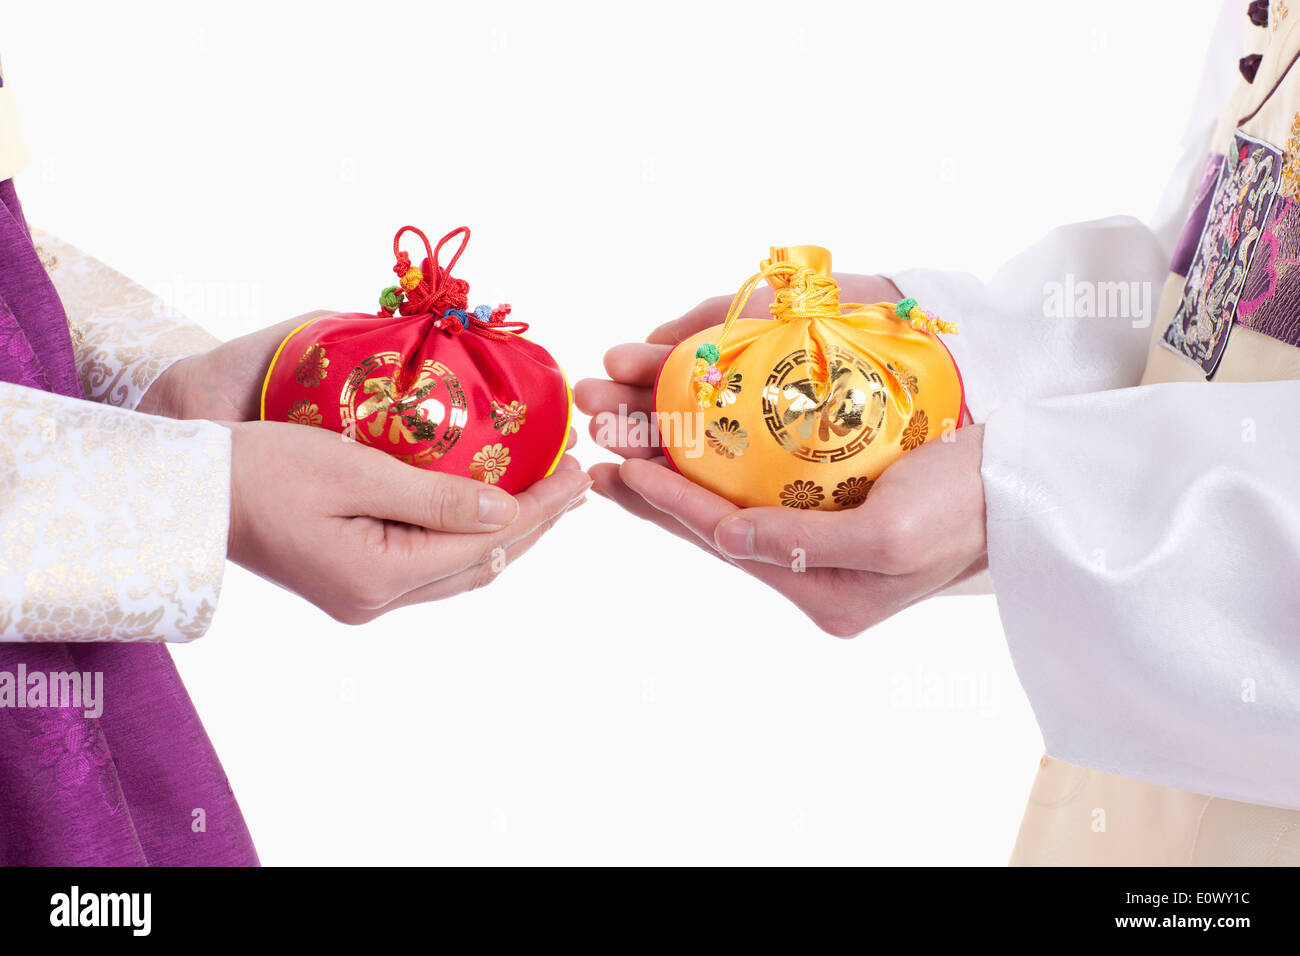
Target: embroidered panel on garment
1191, 233
1270, 300
1242, 199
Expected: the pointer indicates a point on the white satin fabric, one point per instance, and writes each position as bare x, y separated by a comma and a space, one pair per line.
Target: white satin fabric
1143, 544
1143, 541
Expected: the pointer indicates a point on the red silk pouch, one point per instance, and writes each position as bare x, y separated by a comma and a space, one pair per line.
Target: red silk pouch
428, 379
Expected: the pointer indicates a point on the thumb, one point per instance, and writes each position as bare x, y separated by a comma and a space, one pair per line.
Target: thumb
709, 312
789, 536
383, 487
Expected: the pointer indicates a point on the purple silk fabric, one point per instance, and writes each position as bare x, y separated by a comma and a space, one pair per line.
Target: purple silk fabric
1191, 234
140, 784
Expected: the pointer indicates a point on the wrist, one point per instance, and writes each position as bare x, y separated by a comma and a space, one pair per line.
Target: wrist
166, 396
239, 451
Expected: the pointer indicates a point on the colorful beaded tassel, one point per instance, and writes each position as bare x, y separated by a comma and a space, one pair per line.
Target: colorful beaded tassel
909, 311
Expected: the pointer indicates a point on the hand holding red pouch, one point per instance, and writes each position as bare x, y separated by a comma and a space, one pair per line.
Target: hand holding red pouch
428, 379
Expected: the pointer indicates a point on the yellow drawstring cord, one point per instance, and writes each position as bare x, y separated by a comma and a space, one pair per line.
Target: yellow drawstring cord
806, 294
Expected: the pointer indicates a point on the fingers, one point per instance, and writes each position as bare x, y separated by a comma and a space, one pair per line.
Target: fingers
881, 535
709, 312
633, 369
636, 363
695, 508
699, 511
779, 535
622, 436
609, 484
404, 558
610, 405
439, 556
594, 395
380, 486
481, 573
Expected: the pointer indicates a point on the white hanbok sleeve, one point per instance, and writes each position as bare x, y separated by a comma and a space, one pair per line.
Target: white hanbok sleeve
1143, 545
125, 337
1019, 337
1143, 541
112, 523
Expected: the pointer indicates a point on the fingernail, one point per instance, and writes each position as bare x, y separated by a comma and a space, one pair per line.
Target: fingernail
735, 537
495, 507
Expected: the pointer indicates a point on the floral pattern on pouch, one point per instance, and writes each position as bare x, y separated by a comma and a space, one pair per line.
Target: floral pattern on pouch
802, 495
916, 432
727, 438
851, 492
508, 418
1242, 200
489, 465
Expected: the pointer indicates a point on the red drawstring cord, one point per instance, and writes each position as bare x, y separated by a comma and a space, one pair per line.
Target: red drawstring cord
437, 293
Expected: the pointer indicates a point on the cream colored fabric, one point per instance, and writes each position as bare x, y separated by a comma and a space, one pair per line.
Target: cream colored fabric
124, 335
1082, 817
112, 523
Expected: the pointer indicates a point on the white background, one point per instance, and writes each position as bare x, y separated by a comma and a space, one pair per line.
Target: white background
616, 697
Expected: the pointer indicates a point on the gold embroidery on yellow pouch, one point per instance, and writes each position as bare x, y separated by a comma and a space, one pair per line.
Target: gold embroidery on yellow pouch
802, 494
727, 438
851, 492
916, 432
906, 377
728, 389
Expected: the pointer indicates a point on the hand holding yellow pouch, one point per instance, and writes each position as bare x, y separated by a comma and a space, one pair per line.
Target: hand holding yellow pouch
805, 409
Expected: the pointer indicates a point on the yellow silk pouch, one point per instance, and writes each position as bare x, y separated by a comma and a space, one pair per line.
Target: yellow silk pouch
806, 408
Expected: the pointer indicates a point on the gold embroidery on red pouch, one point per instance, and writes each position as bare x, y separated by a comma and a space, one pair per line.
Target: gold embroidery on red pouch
305, 413
312, 367
508, 419
489, 465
